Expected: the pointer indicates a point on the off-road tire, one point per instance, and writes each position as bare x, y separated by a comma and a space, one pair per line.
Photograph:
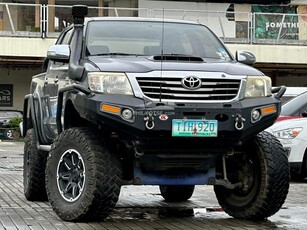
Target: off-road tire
174, 193
34, 165
99, 175
268, 171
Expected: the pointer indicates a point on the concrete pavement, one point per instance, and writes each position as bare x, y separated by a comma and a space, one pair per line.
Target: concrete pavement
139, 207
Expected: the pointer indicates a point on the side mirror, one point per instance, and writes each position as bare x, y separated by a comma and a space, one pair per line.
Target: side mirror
59, 53
245, 57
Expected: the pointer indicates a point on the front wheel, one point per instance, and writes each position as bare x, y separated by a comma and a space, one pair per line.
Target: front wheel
174, 193
82, 177
264, 172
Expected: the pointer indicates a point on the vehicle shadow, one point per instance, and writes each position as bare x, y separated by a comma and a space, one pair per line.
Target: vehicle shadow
187, 218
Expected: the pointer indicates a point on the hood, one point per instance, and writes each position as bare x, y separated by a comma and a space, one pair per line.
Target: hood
286, 124
144, 64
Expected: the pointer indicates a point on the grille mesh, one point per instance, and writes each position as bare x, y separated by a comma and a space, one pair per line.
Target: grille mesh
170, 88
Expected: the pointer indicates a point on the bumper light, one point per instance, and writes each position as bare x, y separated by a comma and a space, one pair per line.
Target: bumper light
258, 113
110, 109
268, 110
127, 114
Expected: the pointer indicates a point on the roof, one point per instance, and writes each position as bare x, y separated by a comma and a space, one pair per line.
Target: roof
141, 19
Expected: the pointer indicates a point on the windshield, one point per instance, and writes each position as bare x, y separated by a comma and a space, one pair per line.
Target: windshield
145, 38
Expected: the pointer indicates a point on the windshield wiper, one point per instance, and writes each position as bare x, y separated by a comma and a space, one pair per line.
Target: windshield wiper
115, 54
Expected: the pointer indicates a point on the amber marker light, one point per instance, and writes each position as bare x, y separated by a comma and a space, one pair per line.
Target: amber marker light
268, 110
110, 109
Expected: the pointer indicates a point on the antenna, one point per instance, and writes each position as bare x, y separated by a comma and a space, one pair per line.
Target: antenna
162, 48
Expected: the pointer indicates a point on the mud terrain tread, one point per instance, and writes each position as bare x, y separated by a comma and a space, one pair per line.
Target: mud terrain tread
34, 169
273, 187
278, 174
103, 187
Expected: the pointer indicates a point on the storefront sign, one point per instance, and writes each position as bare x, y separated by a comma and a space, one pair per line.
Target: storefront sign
276, 22
6, 95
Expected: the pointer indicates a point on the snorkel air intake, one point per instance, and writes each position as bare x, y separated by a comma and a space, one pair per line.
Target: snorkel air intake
75, 71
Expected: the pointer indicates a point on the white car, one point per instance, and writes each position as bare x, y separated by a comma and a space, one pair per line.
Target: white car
292, 92
293, 135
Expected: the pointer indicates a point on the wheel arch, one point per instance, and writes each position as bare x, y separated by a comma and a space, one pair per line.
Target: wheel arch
303, 168
72, 117
27, 122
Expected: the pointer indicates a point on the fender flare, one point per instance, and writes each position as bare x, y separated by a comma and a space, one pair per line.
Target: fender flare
74, 88
29, 106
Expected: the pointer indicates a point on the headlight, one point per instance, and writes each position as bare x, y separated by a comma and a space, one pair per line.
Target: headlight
258, 86
288, 133
109, 83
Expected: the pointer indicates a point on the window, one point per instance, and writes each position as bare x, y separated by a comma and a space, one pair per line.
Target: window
67, 37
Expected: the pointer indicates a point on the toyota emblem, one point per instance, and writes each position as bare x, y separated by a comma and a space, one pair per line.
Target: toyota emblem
191, 82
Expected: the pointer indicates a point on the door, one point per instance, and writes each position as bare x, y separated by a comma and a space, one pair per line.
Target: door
56, 78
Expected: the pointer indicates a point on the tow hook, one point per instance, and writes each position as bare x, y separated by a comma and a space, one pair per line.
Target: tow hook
239, 125
149, 122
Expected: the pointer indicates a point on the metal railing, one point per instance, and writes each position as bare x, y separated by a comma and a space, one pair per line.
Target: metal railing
36, 20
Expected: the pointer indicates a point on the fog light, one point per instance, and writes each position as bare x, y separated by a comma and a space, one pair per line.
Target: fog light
127, 114
255, 115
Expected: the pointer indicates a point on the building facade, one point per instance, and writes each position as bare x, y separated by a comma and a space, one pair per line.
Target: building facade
276, 33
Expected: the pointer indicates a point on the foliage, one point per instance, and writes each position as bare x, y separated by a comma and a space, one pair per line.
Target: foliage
14, 122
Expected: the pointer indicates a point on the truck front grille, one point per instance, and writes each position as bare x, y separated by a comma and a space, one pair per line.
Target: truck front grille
171, 88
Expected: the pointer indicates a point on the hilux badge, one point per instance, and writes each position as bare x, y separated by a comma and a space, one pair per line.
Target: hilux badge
163, 117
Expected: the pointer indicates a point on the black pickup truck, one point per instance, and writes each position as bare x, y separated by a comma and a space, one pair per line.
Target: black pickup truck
150, 102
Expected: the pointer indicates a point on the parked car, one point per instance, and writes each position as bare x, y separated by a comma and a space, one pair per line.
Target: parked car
292, 92
293, 135
6, 131
295, 108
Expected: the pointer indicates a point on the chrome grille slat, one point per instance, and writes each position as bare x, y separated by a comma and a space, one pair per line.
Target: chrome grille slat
179, 82
170, 88
188, 91
193, 95
161, 82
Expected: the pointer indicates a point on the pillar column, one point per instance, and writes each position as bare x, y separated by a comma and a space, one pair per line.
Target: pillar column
37, 14
1, 16
100, 11
51, 15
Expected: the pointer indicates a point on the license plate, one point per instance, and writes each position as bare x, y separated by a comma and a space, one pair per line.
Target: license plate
194, 128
